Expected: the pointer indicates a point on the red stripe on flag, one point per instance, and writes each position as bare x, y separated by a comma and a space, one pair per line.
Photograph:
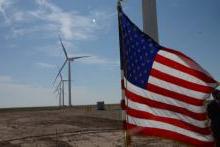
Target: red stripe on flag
198, 74
160, 105
167, 134
174, 95
180, 82
172, 121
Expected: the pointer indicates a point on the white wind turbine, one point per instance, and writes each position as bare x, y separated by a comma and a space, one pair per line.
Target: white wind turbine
59, 93
69, 60
60, 89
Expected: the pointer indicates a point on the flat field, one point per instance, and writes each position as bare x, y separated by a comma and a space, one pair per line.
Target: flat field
81, 126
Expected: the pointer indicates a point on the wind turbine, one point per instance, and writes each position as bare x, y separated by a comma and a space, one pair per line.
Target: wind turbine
59, 93
69, 60
61, 88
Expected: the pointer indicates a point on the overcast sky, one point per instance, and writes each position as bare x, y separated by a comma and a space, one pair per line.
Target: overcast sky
30, 50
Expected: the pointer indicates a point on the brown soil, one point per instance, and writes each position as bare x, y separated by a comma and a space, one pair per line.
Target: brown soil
68, 127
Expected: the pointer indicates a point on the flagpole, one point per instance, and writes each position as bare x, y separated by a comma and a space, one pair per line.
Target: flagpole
150, 26
127, 138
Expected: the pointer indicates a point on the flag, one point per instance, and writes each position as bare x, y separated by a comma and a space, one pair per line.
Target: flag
164, 89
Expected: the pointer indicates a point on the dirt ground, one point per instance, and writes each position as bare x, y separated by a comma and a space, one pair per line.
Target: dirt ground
68, 127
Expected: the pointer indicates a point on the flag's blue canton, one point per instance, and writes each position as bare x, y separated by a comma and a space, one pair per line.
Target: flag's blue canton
138, 50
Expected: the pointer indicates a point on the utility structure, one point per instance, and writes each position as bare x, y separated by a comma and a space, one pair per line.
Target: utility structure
149, 11
69, 60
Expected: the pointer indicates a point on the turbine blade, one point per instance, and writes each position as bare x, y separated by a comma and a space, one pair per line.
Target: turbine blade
57, 88
64, 50
61, 77
60, 71
74, 58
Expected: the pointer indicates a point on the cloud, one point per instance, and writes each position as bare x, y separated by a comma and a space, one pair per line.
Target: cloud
87, 95
54, 49
48, 17
95, 59
5, 79
42, 2
45, 65
4, 4
20, 31
13, 94
71, 25
100, 61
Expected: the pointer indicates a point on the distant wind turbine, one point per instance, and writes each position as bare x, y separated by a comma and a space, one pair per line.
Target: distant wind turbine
60, 89
68, 59
59, 93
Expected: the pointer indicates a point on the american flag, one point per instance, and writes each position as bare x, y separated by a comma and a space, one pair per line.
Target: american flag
164, 90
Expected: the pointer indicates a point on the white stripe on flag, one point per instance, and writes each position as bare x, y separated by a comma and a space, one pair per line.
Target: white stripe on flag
161, 125
179, 74
160, 98
166, 113
182, 60
177, 89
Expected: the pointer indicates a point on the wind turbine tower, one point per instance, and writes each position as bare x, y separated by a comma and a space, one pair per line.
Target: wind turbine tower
149, 11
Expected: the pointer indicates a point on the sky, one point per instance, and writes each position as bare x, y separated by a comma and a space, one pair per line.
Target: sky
30, 52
